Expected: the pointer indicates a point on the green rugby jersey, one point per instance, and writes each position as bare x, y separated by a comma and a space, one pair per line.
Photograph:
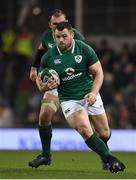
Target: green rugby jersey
48, 39
72, 67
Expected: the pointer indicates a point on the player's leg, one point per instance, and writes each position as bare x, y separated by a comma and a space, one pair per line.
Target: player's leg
77, 118
94, 142
100, 124
101, 128
49, 106
99, 119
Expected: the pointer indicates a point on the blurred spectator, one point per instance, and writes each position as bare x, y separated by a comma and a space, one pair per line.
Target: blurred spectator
107, 55
133, 54
6, 60
123, 68
130, 99
108, 88
124, 118
6, 117
118, 90
33, 108
22, 101
23, 50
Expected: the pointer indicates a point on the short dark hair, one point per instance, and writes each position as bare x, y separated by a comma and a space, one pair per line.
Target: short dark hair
62, 25
57, 13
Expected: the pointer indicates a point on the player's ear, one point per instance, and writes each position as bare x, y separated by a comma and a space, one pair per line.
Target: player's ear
73, 34
49, 24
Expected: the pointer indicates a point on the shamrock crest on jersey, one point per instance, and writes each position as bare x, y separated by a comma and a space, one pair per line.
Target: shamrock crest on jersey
78, 58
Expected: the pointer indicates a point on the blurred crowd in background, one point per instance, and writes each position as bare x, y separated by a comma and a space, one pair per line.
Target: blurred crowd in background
21, 26
20, 98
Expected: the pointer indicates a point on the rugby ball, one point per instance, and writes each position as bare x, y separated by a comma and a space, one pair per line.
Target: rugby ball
51, 74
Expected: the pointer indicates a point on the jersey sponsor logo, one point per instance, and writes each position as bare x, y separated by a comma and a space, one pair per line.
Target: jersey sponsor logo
57, 61
69, 71
67, 111
72, 76
78, 58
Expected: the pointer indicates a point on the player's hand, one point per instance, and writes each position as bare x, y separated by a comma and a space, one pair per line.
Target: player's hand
45, 86
51, 83
33, 74
90, 98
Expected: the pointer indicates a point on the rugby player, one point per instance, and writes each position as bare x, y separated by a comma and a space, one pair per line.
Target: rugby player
81, 77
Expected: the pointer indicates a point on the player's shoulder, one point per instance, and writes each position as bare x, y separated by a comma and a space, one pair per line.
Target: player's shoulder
78, 35
83, 46
47, 54
47, 33
74, 30
52, 51
82, 43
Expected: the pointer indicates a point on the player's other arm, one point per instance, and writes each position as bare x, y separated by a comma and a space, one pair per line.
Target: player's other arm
95, 69
36, 64
97, 72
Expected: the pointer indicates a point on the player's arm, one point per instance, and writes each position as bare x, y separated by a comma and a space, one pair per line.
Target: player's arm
97, 73
95, 69
50, 84
45, 86
35, 66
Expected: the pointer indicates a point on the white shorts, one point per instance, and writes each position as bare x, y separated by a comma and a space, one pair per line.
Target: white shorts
53, 92
71, 106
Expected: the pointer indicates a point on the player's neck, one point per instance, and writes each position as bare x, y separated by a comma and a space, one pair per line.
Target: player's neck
71, 48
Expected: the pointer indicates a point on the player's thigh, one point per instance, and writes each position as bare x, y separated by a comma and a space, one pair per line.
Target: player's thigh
100, 123
76, 115
80, 121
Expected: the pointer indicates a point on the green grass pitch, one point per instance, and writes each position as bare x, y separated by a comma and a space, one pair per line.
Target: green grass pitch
65, 165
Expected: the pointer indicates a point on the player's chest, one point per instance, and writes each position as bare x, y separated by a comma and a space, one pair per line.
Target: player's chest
60, 63
68, 62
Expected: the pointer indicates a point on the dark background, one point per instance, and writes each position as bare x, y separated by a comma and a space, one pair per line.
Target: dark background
108, 26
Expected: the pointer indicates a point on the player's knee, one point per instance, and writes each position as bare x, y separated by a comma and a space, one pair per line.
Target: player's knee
85, 132
105, 133
46, 116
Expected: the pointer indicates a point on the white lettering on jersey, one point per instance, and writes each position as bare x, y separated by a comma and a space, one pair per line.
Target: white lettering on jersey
72, 77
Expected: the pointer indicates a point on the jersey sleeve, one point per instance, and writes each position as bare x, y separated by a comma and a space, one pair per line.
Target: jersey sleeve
78, 35
44, 61
43, 40
91, 55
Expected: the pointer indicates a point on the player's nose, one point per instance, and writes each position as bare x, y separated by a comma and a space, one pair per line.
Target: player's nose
61, 39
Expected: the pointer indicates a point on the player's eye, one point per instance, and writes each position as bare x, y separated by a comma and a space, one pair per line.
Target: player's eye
64, 36
57, 37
